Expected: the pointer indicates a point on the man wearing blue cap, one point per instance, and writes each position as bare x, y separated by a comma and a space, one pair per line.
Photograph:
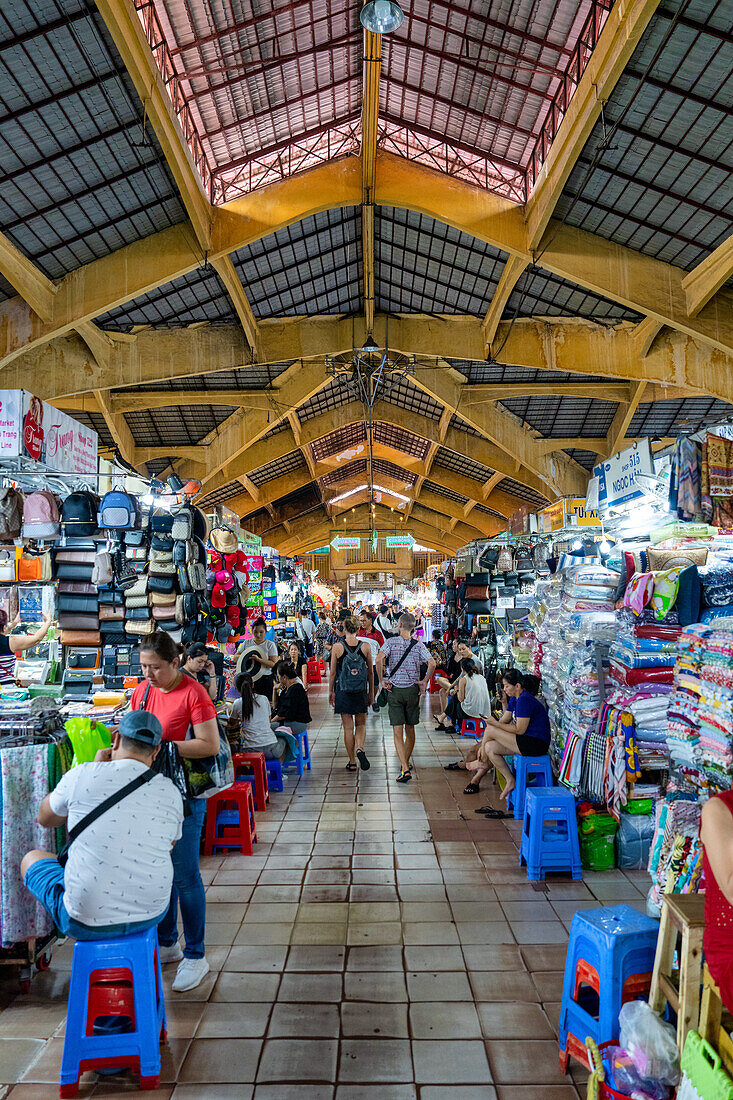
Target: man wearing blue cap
118, 874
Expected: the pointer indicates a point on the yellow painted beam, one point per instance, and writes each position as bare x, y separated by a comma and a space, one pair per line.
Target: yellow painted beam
126, 30
619, 38
645, 334
705, 280
32, 285
119, 428
484, 392
133, 401
622, 419
195, 454
489, 486
513, 269
371, 68
228, 275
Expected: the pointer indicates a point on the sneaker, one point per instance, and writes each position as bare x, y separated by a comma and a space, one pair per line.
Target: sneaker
190, 973
171, 954
361, 756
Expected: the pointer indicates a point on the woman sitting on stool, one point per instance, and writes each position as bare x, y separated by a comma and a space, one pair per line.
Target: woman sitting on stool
292, 708
530, 735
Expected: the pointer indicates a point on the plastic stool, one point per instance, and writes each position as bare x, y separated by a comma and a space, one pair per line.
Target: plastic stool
122, 978
313, 675
550, 849
302, 755
256, 761
433, 687
274, 774
230, 820
472, 727
321, 665
527, 768
611, 952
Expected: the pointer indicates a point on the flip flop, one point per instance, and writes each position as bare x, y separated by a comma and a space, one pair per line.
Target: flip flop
489, 811
453, 768
471, 788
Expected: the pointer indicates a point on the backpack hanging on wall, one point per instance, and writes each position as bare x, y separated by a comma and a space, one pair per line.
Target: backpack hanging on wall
79, 514
41, 518
117, 510
11, 513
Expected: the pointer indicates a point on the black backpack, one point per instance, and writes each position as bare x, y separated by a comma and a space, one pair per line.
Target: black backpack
79, 514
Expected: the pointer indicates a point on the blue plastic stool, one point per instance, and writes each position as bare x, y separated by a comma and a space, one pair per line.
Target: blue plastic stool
553, 848
274, 775
302, 756
528, 770
611, 957
472, 727
119, 977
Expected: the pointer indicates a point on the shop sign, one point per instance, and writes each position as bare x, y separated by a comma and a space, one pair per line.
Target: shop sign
375, 540
346, 542
579, 515
252, 543
617, 476
504, 602
399, 542
321, 550
519, 521
30, 428
553, 517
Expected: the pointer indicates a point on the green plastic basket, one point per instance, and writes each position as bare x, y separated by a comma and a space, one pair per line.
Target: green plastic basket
702, 1066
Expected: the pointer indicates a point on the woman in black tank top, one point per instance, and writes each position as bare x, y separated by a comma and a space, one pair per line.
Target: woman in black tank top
352, 705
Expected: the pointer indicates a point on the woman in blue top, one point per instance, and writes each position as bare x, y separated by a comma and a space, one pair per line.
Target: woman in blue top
523, 729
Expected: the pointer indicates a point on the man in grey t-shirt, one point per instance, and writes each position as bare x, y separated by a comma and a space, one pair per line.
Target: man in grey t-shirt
405, 686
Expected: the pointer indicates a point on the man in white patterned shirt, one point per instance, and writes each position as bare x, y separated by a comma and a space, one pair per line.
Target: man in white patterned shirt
399, 664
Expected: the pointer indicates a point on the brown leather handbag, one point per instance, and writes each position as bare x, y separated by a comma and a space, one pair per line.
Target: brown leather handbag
108, 614
72, 620
81, 637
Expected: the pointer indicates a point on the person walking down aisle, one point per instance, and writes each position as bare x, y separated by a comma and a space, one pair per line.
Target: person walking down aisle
399, 665
188, 717
351, 690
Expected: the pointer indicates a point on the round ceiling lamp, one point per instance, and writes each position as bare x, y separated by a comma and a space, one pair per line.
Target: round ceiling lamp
381, 16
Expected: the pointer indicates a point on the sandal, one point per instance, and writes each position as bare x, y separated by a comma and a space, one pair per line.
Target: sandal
351, 767
440, 728
489, 811
455, 767
471, 788
404, 777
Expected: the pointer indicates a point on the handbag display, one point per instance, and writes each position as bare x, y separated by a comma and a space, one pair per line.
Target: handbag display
160, 557
161, 542
505, 560
162, 565
134, 538
163, 612
161, 584
34, 567
168, 625
139, 588
103, 572
197, 577
7, 564
111, 614
80, 637
184, 585
163, 599
84, 557
9, 601
142, 628
137, 601
136, 553
477, 592
136, 614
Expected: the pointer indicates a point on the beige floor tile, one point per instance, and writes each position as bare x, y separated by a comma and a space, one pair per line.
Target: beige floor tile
374, 1020
368, 1060
223, 1021
298, 1060
444, 1020
454, 1062
377, 986
317, 1021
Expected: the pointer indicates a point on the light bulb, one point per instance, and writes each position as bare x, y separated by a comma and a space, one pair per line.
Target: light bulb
577, 544
605, 547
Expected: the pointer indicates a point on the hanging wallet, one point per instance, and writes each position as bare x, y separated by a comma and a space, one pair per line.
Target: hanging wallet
136, 614
163, 599
77, 604
80, 637
110, 597
78, 557
161, 584
78, 588
136, 601
70, 620
111, 614
74, 572
147, 627
167, 625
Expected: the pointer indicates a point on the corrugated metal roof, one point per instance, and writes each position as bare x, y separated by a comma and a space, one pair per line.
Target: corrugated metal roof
564, 416
313, 266
401, 440
440, 491
496, 373
661, 182
336, 393
251, 377
669, 417
389, 469
542, 294
227, 492
198, 296
404, 394
586, 459
508, 485
350, 469
78, 178
271, 470
424, 266
185, 424
459, 464
339, 440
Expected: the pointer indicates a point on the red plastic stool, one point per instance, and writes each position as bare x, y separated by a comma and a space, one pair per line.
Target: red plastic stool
256, 761
314, 671
230, 820
433, 687
472, 727
321, 664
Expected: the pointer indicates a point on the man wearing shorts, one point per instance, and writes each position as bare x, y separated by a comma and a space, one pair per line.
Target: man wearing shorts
398, 665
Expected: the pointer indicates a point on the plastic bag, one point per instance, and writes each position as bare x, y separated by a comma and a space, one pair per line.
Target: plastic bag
87, 737
209, 774
651, 1043
623, 1076
169, 763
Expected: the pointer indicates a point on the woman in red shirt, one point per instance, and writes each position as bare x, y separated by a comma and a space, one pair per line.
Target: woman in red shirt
188, 717
716, 833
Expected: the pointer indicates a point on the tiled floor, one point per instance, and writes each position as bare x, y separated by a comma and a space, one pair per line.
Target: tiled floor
381, 943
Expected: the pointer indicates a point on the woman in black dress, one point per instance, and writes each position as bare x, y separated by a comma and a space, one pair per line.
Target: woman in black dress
351, 690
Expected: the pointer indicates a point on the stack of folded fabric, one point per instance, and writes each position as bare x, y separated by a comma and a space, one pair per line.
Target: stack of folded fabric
683, 734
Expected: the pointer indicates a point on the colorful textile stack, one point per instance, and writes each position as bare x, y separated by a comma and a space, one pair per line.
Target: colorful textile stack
675, 859
683, 734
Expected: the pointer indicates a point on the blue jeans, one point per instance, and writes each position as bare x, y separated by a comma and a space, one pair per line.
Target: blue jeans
45, 880
188, 889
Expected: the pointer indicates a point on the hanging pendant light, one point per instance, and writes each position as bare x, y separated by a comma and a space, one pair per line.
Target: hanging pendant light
381, 16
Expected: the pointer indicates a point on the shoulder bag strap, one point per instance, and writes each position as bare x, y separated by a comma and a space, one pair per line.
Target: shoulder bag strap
413, 643
102, 808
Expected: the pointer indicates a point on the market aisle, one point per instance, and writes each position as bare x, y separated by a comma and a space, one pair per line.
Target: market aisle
378, 944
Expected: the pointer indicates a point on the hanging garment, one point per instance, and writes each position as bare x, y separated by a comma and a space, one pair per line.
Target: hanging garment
687, 478
24, 772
